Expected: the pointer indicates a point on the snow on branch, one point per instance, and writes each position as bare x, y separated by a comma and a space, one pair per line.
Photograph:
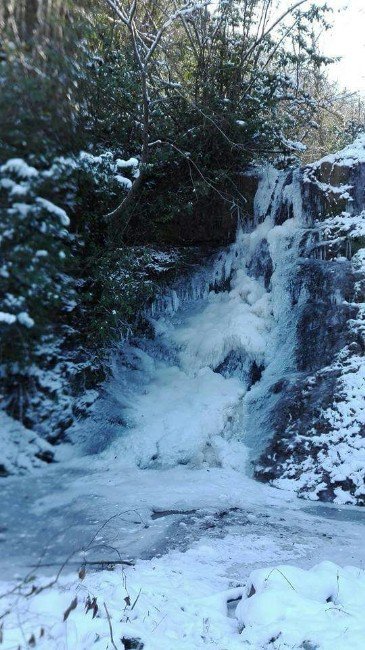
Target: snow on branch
184, 11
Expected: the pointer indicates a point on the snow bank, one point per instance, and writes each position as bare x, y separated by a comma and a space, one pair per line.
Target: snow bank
287, 607
181, 601
178, 601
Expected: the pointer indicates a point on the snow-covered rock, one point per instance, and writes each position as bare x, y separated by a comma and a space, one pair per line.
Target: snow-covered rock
288, 607
318, 447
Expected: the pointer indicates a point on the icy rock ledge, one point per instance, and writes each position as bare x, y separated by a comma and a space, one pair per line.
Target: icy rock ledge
21, 450
318, 444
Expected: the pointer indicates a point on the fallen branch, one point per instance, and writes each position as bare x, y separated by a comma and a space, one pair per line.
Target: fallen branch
88, 563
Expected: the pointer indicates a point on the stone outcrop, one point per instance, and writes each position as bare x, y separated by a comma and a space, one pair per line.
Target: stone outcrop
318, 423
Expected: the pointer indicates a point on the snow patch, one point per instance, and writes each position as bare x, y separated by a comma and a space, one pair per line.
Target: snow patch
55, 210
351, 155
182, 601
25, 320
9, 319
19, 167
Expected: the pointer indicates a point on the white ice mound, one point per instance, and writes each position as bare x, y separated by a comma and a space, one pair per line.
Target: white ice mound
321, 608
234, 320
167, 433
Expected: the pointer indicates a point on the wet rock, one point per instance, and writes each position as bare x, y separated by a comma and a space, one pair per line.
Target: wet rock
261, 265
132, 644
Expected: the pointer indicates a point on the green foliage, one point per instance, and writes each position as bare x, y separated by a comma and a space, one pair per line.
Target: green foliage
109, 285
87, 186
69, 92
214, 109
34, 253
116, 294
39, 100
109, 86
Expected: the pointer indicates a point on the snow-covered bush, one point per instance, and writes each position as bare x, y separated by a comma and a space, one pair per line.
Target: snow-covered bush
113, 280
34, 250
288, 607
88, 185
36, 245
66, 292
21, 450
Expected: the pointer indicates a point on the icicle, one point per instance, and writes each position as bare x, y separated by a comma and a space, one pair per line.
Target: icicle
348, 249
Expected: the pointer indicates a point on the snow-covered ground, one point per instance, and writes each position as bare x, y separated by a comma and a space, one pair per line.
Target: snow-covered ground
201, 532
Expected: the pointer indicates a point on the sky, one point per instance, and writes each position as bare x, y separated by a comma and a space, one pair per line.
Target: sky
347, 39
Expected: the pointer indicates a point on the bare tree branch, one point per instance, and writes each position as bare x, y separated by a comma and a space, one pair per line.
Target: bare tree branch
143, 56
272, 27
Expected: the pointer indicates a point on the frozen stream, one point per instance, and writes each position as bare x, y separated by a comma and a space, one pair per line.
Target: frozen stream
63, 508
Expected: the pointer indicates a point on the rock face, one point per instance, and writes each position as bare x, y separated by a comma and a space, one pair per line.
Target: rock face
318, 423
